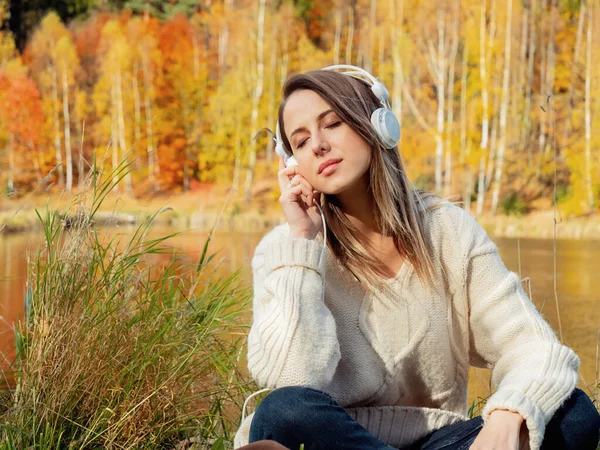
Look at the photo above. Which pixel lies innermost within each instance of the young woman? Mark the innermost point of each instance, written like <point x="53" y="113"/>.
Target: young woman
<point x="367" y="343"/>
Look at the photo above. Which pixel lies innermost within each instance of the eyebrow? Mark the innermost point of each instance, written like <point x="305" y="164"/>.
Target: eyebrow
<point x="319" y="117"/>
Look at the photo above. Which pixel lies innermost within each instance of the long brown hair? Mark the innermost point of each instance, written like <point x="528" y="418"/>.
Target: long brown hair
<point x="399" y="209"/>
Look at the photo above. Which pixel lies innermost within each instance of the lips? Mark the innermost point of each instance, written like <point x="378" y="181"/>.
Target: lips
<point x="327" y="163"/>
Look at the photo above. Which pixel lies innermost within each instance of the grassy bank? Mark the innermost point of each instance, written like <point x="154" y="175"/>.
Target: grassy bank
<point x="114" y="352"/>
<point x="202" y="209"/>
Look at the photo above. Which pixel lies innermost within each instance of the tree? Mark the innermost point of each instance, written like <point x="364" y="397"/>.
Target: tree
<point x="503" y="108"/>
<point x="183" y="86"/>
<point x="146" y="60"/>
<point x="20" y="120"/>
<point x="67" y="63"/>
<point x="109" y="95"/>
<point x="53" y="68"/>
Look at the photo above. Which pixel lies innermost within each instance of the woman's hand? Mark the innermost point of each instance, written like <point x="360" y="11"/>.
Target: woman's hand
<point x="296" y="198"/>
<point x="502" y="431"/>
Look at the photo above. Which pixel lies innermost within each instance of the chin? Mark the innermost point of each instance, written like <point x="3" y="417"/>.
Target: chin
<point x="334" y="188"/>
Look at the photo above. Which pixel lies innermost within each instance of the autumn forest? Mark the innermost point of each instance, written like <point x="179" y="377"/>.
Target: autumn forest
<point x="499" y="101"/>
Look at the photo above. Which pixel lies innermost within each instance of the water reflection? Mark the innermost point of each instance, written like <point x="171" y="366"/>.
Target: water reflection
<point x="577" y="280"/>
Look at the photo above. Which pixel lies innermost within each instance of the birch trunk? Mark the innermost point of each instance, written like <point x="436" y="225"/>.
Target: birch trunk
<point x="350" y="37"/>
<point x="11" y="163"/>
<point x="57" y="139"/>
<point x="122" y="133"/>
<point x="438" y="65"/>
<point x="463" y="108"/>
<point x="480" y="186"/>
<point x="114" y="132"/>
<point x="380" y="50"/>
<point x="545" y="84"/>
<point x="468" y="190"/>
<point x="153" y="166"/>
<point x="80" y="168"/>
<point x="574" y="71"/>
<point x="520" y="83"/>
<point x="188" y="142"/>
<point x="338" y="36"/>
<point x="493" y="137"/>
<point x="256" y="98"/>
<point x="198" y="95"/>
<point x="503" y="109"/>
<point x="396" y="57"/>
<point x="272" y="94"/>
<point x="368" y="58"/>
<point x="588" y="114"/>
<point x="450" y="107"/>
<point x="237" y="156"/>
<point x="485" y="124"/>
<point x="526" y="130"/>
<point x="224" y="38"/>
<point x="137" y="126"/>
<point x="67" y="124"/>
<point x="36" y="162"/>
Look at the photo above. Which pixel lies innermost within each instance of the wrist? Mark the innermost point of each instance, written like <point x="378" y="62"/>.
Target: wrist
<point x="507" y="415"/>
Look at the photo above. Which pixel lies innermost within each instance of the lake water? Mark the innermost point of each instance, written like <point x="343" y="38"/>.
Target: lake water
<point x="577" y="279"/>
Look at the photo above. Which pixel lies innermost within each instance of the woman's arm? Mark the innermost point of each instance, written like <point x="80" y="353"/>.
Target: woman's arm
<point x="532" y="371"/>
<point x="293" y="339"/>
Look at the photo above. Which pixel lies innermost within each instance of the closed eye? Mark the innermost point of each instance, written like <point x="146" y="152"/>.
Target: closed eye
<point x="330" y="126"/>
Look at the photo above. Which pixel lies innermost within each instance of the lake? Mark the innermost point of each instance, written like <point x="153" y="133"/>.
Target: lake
<point x="577" y="280"/>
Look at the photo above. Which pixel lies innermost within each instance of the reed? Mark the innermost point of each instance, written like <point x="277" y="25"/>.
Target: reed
<point x="114" y="352"/>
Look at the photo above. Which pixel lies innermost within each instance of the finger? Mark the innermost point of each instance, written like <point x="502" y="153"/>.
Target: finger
<point x="281" y="163"/>
<point x="307" y="193"/>
<point x="287" y="172"/>
<point x="308" y="189"/>
<point x="299" y="193"/>
<point x="292" y="182"/>
<point x="295" y="193"/>
<point x="290" y="171"/>
<point x="284" y="177"/>
<point x="299" y="179"/>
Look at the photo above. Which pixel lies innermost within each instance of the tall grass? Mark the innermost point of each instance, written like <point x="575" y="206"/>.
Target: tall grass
<point x="116" y="353"/>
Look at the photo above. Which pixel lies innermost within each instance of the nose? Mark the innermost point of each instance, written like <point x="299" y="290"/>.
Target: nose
<point x="319" y="144"/>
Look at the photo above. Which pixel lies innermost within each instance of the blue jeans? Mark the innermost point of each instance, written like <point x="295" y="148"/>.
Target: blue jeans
<point x="297" y="415"/>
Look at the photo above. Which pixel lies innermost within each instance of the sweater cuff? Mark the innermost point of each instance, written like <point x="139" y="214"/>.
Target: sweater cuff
<point x="515" y="401"/>
<point x="295" y="252"/>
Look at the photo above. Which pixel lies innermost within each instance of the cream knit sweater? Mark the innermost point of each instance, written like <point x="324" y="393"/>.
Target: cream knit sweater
<point x="397" y="359"/>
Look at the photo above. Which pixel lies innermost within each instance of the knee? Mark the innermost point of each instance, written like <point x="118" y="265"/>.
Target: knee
<point x="578" y="422"/>
<point x="286" y="409"/>
<point x="587" y="416"/>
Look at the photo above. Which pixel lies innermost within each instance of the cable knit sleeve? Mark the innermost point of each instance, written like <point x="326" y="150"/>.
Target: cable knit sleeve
<point x="533" y="373"/>
<point x="292" y="341"/>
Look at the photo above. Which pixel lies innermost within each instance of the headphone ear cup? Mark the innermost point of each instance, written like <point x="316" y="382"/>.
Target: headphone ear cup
<point x="386" y="126"/>
<point x="279" y="149"/>
<point x="279" y="142"/>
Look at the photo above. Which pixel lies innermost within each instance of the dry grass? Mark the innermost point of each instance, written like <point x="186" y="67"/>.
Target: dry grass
<point x="114" y="353"/>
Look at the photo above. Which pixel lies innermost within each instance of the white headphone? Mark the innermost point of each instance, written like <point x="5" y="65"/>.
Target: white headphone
<point x="383" y="120"/>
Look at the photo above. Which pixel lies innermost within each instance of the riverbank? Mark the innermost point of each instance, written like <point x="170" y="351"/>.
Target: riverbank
<point x="202" y="210"/>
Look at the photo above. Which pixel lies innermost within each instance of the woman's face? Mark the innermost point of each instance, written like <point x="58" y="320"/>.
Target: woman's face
<point x="318" y="137"/>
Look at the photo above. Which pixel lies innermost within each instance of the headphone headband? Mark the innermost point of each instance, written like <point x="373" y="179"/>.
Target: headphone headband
<point x="377" y="86"/>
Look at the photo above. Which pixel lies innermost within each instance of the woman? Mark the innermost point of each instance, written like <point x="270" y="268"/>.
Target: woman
<point x="368" y="344"/>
